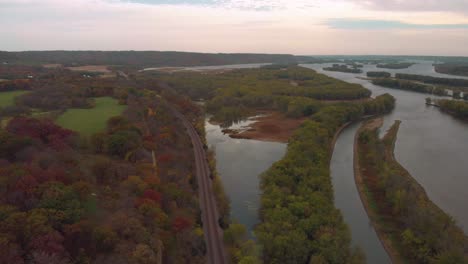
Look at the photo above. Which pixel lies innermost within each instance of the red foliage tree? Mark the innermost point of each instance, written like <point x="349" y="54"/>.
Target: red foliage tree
<point x="152" y="195"/>
<point x="50" y="243"/>
<point x="181" y="223"/>
<point x="53" y="173"/>
<point x="44" y="130"/>
<point x="10" y="252"/>
<point x="165" y="158"/>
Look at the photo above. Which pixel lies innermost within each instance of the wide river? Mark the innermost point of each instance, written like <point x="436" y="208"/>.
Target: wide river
<point x="433" y="146"/>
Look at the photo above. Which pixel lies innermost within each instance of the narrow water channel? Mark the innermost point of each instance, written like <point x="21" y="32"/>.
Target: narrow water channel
<point x="239" y="163"/>
<point x="347" y="198"/>
<point x="431" y="145"/>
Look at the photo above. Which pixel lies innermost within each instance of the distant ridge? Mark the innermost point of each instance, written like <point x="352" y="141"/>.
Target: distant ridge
<point x="144" y="58"/>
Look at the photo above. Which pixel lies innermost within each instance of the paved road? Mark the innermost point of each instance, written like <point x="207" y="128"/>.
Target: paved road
<point x="213" y="233"/>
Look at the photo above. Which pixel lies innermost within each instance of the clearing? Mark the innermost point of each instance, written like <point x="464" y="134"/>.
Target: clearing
<point x="8" y="98"/>
<point x="91" y="68"/>
<point x="92" y="120"/>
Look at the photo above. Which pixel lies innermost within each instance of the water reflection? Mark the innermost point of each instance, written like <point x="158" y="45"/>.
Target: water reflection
<point x="432" y="145"/>
<point x="239" y="163"/>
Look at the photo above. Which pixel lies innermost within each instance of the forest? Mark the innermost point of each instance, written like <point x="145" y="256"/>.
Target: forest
<point x="433" y="80"/>
<point x="395" y="65"/>
<point x="67" y="197"/>
<point x="343" y="68"/>
<point x="299" y="223"/>
<point x="409" y="86"/>
<point x="458" y="109"/>
<point x="453" y="68"/>
<point x="378" y="74"/>
<point x="419" y="231"/>
<point x="293" y="90"/>
<point x="141" y="58"/>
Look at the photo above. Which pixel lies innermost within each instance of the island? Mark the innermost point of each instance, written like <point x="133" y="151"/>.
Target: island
<point x="343" y="68"/>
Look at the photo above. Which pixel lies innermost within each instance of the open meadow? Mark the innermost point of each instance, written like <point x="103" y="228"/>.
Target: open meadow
<point x="92" y="120"/>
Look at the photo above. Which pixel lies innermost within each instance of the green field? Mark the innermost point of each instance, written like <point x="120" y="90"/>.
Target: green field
<point x="93" y="120"/>
<point x="8" y="98"/>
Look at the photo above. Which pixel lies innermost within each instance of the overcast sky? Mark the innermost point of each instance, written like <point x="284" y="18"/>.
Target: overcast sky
<point x="394" y="27"/>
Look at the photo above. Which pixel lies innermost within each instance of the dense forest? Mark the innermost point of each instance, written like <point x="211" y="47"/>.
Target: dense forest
<point x="343" y="68"/>
<point x="419" y="231"/>
<point x="408" y="86"/>
<point x="454" y="68"/>
<point x="299" y="223"/>
<point x="456" y="108"/>
<point x="104" y="198"/>
<point x="292" y="90"/>
<point x="395" y="66"/>
<point x="433" y="80"/>
<point x="378" y="74"/>
<point x="142" y="58"/>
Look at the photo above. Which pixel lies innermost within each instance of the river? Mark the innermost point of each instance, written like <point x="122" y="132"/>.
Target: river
<point x="239" y="163"/>
<point x="348" y="201"/>
<point x="431" y="145"/>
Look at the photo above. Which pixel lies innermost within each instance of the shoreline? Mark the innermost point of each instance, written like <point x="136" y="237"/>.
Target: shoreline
<point x="269" y="127"/>
<point x="384" y="239"/>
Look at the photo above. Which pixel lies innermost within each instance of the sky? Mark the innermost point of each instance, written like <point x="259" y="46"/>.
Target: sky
<point x="301" y="27"/>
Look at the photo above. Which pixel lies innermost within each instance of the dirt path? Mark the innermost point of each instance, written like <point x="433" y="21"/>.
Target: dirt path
<point x="213" y="233"/>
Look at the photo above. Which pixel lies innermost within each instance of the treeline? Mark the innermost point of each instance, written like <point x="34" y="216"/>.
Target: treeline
<point x="395" y="66"/>
<point x="141" y="58"/>
<point x="12" y="72"/>
<point x="15" y="85"/>
<point x="460" y="69"/>
<point x="456" y="108"/>
<point x="433" y="80"/>
<point x="378" y="74"/>
<point x="299" y="223"/>
<point x="295" y="91"/>
<point x="419" y="230"/>
<point x="408" y="86"/>
<point x="60" y="90"/>
<point x="343" y="68"/>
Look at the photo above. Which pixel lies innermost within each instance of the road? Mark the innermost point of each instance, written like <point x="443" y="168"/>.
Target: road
<point x="213" y="233"/>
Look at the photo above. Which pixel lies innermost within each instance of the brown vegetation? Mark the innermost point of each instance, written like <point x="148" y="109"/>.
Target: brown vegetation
<point x="91" y="68"/>
<point x="274" y="127"/>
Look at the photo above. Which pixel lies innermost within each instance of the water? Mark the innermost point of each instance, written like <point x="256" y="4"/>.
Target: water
<point x="348" y="201"/>
<point x="239" y="163"/>
<point x="431" y="145"/>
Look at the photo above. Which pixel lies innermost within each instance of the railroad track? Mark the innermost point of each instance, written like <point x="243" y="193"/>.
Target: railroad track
<point x="213" y="233"/>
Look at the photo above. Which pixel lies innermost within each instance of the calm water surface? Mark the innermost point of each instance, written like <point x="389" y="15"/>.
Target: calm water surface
<point x="433" y="146"/>
<point x="348" y="201"/>
<point x="239" y="163"/>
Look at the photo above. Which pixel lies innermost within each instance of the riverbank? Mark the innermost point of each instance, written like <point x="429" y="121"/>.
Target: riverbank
<point x="409" y="225"/>
<point x="366" y="198"/>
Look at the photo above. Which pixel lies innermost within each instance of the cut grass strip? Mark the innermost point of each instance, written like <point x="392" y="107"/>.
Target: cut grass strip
<point x="92" y="120"/>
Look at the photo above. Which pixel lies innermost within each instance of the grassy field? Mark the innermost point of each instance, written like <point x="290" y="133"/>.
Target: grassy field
<point x="93" y="120"/>
<point x="8" y="98"/>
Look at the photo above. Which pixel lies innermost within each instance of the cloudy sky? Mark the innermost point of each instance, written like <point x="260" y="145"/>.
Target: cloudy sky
<point x="412" y="27"/>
